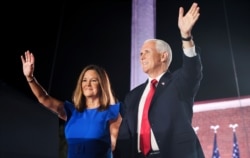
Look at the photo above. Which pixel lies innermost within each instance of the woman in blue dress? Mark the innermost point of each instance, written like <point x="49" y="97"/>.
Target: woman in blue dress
<point x="92" y="117"/>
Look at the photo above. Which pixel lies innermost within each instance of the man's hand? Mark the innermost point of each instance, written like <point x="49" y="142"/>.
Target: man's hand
<point x="187" y="21"/>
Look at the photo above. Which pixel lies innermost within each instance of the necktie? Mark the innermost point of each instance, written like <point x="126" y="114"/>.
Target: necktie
<point x="145" y="144"/>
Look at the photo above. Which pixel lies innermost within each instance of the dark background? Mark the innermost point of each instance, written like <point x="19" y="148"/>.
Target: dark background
<point x="67" y="35"/>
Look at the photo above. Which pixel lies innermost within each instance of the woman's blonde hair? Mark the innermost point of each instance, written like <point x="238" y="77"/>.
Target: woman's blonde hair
<point x="105" y="93"/>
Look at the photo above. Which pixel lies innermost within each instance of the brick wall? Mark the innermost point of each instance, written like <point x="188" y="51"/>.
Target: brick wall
<point x="224" y="117"/>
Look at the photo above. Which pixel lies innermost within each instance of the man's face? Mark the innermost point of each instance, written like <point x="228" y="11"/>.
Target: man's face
<point x="151" y="60"/>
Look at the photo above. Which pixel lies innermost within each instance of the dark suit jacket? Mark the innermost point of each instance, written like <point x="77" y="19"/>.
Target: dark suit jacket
<point x="170" y="114"/>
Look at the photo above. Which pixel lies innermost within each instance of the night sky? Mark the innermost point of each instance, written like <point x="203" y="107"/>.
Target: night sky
<point x="65" y="36"/>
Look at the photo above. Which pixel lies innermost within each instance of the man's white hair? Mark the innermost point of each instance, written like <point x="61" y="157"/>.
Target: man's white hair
<point x="162" y="47"/>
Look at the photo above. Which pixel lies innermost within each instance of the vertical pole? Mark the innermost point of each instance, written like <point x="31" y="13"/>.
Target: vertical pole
<point x="143" y="27"/>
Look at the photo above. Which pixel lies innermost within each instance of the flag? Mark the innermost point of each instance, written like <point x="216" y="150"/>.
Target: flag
<point x="236" y="152"/>
<point x="216" y="153"/>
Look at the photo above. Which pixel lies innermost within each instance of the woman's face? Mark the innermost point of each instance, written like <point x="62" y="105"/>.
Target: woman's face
<point x="90" y="84"/>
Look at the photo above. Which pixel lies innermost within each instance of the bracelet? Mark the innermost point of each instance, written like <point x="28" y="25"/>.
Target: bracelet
<point x="33" y="78"/>
<point x="187" y="39"/>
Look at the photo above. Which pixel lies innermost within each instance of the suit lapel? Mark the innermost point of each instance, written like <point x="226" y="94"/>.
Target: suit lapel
<point x="164" y="81"/>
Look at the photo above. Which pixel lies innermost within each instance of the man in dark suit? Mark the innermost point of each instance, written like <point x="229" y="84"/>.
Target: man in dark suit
<point x="170" y="112"/>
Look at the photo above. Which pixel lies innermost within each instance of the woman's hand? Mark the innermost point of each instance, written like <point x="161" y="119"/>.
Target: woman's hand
<point x="28" y="61"/>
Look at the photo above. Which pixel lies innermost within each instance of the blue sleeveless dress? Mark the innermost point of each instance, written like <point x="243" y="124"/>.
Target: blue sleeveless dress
<point x="87" y="133"/>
